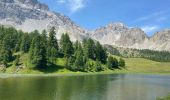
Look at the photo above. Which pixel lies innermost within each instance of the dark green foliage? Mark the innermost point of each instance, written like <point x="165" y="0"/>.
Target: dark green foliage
<point x="38" y="53"/>
<point x="115" y="63"/>
<point x="70" y="63"/>
<point x="89" y="48"/>
<point x="44" y="50"/>
<point x="99" y="66"/>
<point x="25" y="43"/>
<point x="112" y="63"/>
<point x="161" y="56"/>
<point x="121" y="62"/>
<point x="76" y="45"/>
<point x="66" y="45"/>
<point x="16" y="62"/>
<point x="101" y="54"/>
<point x="52" y="46"/>
<point x="52" y="39"/>
<point x="79" y="61"/>
<point x="109" y="62"/>
<point x="6" y="53"/>
<point x="44" y="38"/>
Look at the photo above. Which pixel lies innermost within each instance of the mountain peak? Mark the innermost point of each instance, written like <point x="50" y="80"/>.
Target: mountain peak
<point x="34" y="4"/>
<point x="116" y="26"/>
<point x="7" y="1"/>
<point x="30" y="15"/>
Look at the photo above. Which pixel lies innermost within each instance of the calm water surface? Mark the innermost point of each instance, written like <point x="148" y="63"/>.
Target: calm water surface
<point x="96" y="87"/>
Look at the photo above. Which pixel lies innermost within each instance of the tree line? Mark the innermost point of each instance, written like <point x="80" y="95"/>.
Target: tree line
<point x="161" y="56"/>
<point x="44" y="48"/>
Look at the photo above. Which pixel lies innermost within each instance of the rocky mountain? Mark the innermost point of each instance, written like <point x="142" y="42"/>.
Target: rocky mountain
<point x="29" y="15"/>
<point x="120" y="35"/>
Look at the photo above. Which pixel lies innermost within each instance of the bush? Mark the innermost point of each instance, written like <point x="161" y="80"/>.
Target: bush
<point x="121" y="62"/>
<point x="112" y="63"/>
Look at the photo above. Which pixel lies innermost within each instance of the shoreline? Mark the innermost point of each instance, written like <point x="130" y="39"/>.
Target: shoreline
<point x="7" y="75"/>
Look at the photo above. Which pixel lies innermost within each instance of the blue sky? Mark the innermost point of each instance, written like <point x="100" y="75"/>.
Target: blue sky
<point x="150" y="15"/>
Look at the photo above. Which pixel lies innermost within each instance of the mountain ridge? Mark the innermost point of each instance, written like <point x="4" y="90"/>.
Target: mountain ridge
<point x="30" y="15"/>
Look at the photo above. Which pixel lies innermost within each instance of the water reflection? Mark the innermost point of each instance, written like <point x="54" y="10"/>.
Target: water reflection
<point x="97" y="87"/>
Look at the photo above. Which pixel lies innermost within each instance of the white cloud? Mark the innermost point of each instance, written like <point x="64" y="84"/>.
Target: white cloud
<point x="147" y="17"/>
<point x="72" y="5"/>
<point x="158" y="16"/>
<point x="76" y="5"/>
<point x="149" y="29"/>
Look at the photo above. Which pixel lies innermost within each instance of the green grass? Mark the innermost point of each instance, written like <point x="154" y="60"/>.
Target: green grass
<point x="133" y="65"/>
<point x="166" y="98"/>
<point x="140" y="65"/>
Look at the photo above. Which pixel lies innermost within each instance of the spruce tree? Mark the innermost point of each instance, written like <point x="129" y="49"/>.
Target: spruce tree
<point x="66" y="45"/>
<point x="52" y="48"/>
<point x="76" y="45"/>
<point x="44" y="37"/>
<point x="101" y="54"/>
<point x="52" y="39"/>
<point x="25" y="43"/>
<point x="79" y="61"/>
<point x="37" y="53"/>
<point x="90" y="49"/>
<point x="6" y="52"/>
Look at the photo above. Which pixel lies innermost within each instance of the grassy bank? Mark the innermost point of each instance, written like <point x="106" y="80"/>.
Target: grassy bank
<point x="165" y="98"/>
<point x="140" y="65"/>
<point x="133" y="65"/>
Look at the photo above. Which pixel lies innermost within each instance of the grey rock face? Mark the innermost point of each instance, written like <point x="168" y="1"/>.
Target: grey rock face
<point x="120" y="35"/>
<point x="7" y="1"/>
<point x="29" y="15"/>
<point x="161" y="40"/>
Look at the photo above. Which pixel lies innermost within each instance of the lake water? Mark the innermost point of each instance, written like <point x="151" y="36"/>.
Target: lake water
<point x="94" y="87"/>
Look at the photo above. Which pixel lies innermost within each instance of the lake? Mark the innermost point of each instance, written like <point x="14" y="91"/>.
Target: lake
<point x="88" y="87"/>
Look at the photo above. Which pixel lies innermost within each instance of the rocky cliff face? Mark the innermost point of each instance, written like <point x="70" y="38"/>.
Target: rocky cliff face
<point x="161" y="40"/>
<point x="120" y="35"/>
<point x="29" y="15"/>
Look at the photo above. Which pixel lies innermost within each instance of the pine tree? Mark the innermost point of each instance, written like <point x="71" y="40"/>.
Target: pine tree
<point x="52" y="39"/>
<point x="101" y="54"/>
<point x="37" y="53"/>
<point x="25" y="43"/>
<point x="66" y="45"/>
<point x="79" y="61"/>
<point x="6" y="51"/>
<point x="89" y="48"/>
<point x="44" y="37"/>
<point x="52" y="48"/>
<point x="76" y="45"/>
